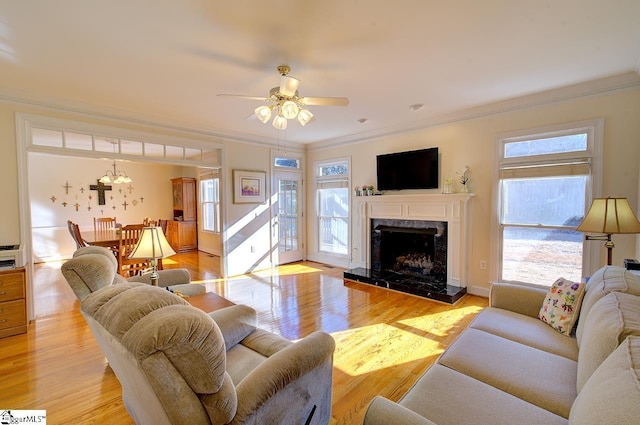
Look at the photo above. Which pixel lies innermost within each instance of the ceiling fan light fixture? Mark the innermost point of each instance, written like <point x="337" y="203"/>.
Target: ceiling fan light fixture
<point x="263" y="113"/>
<point x="286" y="104"/>
<point x="304" y="116"/>
<point x="280" y="122"/>
<point x="290" y="109"/>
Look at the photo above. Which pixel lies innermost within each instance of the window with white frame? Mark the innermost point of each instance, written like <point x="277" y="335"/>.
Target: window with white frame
<point x="545" y="184"/>
<point x="332" y="186"/>
<point x="210" y="201"/>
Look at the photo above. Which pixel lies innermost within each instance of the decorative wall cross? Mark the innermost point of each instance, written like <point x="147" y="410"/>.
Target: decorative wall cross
<point x="101" y="188"/>
<point x="124" y="204"/>
<point x="67" y="187"/>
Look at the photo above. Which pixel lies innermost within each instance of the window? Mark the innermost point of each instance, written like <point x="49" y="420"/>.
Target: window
<point x="63" y="142"/>
<point x="545" y="184"/>
<point x="332" y="183"/>
<point x="210" y="201"/>
<point x="286" y="162"/>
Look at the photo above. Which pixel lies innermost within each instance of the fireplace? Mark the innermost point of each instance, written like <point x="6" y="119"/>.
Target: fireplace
<point x="410" y="247"/>
<point x="416" y="244"/>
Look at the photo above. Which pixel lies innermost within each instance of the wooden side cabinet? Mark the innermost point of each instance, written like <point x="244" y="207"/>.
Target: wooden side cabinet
<point x="182" y="235"/>
<point x="184" y="198"/>
<point x="182" y="232"/>
<point x="13" y="302"/>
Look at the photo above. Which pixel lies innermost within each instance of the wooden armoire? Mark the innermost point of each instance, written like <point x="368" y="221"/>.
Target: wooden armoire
<point x="182" y="231"/>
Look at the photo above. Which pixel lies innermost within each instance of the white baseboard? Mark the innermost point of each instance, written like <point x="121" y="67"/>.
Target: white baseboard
<point x="478" y="290"/>
<point x="328" y="259"/>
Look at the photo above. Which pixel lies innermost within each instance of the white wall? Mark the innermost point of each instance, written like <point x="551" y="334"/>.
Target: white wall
<point x="248" y="225"/>
<point x="472" y="142"/>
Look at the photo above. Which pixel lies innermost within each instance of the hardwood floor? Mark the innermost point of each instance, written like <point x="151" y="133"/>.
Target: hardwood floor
<point x="384" y="340"/>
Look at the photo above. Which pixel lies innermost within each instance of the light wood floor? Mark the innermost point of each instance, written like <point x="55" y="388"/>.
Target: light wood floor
<point x="384" y="340"/>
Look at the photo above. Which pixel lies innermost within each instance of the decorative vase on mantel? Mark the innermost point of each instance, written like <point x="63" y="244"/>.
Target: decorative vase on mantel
<point x="464" y="179"/>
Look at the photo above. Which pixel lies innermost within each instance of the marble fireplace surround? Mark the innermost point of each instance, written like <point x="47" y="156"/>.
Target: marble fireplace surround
<point x="455" y="209"/>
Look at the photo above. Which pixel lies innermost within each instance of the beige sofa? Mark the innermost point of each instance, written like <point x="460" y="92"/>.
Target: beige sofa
<point x="509" y="367"/>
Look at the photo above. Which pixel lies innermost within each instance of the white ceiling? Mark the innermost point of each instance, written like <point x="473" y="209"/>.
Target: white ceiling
<point x="166" y="60"/>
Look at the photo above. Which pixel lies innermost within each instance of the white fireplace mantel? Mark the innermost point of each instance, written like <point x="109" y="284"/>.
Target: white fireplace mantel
<point x="452" y="208"/>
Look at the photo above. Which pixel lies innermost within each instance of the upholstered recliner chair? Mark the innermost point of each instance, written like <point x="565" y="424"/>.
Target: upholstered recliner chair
<point x="93" y="267"/>
<point x="178" y="365"/>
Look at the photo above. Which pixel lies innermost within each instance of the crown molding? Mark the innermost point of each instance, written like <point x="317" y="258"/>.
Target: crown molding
<point x="621" y="82"/>
<point x="116" y="116"/>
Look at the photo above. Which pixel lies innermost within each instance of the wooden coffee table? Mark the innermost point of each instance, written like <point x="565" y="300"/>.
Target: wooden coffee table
<point x="209" y="301"/>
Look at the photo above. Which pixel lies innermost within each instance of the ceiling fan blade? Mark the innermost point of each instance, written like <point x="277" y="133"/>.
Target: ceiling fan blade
<point x="245" y="97"/>
<point x="325" y="101"/>
<point x="288" y="85"/>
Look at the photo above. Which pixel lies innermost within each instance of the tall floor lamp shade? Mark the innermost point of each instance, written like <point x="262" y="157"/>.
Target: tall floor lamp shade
<point x="152" y="245"/>
<point x="609" y="216"/>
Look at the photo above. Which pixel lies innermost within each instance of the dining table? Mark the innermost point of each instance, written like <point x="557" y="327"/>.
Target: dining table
<point x="106" y="238"/>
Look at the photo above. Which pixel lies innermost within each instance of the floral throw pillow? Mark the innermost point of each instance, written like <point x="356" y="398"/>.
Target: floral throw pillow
<point x="561" y="306"/>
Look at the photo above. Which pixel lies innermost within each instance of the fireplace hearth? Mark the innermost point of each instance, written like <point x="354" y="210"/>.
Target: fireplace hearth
<point x="409" y="284"/>
<point x="409" y="256"/>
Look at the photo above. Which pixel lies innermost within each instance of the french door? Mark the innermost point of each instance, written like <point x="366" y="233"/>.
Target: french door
<point x="287" y="218"/>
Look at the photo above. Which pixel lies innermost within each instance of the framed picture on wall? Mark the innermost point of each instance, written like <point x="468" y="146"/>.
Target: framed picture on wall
<point x="249" y="187"/>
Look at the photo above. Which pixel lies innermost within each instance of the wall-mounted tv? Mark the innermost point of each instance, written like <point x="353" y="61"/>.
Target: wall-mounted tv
<point x="408" y="170"/>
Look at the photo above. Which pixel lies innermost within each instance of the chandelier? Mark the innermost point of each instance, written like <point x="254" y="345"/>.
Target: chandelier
<point x="115" y="176"/>
<point x="284" y="108"/>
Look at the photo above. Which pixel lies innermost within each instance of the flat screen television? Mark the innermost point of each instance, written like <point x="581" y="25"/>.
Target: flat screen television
<point x="408" y="170"/>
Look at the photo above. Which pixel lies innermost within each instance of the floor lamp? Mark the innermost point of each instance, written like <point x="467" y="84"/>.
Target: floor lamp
<point x="152" y="245"/>
<point x="609" y="216"/>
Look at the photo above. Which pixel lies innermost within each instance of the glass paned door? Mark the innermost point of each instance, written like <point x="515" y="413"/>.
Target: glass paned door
<point x="287" y="220"/>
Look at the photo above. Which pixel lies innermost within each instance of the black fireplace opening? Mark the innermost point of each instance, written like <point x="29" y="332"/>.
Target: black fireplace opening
<point x="412" y="248"/>
<point x="409" y="256"/>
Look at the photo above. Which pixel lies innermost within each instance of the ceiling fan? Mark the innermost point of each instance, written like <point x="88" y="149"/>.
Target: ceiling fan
<point x="286" y="104"/>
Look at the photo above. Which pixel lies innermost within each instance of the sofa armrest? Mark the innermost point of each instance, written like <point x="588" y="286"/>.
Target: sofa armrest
<point x="291" y="386"/>
<point x="521" y="299"/>
<point x="384" y="412"/>
<point x="168" y="277"/>
<point x="235" y="322"/>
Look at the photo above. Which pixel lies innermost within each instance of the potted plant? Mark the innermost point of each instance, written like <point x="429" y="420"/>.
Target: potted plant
<point x="364" y="190"/>
<point x="370" y="190"/>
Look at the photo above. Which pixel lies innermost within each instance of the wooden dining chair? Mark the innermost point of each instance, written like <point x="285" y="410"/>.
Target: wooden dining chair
<point x="148" y="222"/>
<point x="129" y="236"/>
<point x="162" y="223"/>
<point x="74" y="230"/>
<point x="103" y="223"/>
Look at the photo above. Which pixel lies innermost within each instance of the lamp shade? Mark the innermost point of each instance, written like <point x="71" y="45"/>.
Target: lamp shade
<point x="263" y="113"/>
<point x="304" y="116"/>
<point x="610" y="216"/>
<point x="280" y="122"/>
<point x="290" y="109"/>
<point x="152" y="245"/>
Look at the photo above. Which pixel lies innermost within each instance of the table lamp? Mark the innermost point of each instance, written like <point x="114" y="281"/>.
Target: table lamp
<point x="609" y="216"/>
<point x="152" y="245"/>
